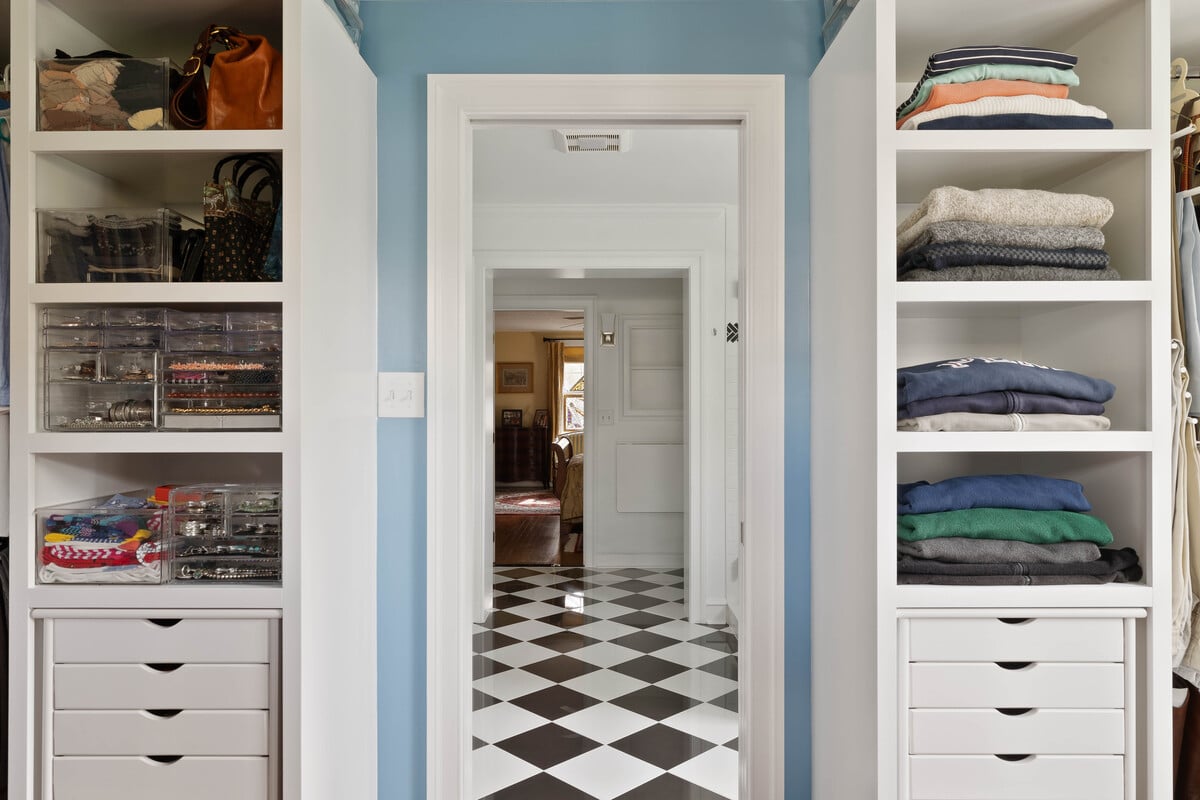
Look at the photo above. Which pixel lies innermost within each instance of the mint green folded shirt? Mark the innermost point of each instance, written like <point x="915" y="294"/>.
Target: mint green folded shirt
<point x="1036" y="527"/>
<point x="983" y="72"/>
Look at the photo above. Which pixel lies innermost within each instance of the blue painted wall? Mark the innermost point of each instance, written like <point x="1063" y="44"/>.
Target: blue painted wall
<point x="404" y="42"/>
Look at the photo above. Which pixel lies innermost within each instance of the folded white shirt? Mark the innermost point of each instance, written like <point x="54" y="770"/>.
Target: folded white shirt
<point x="967" y="421"/>
<point x="1021" y="104"/>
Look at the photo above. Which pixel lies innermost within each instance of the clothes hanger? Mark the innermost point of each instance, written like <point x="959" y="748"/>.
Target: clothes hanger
<point x="1181" y="93"/>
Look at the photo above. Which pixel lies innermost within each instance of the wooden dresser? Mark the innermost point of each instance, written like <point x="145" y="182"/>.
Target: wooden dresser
<point x="522" y="454"/>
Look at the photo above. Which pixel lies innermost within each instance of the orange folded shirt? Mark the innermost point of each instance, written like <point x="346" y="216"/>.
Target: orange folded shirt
<point x="945" y="94"/>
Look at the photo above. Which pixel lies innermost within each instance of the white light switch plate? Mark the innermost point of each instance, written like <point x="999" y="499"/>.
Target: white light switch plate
<point x="402" y="394"/>
<point x="605" y="417"/>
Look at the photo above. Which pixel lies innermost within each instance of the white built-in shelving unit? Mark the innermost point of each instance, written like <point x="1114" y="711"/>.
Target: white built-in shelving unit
<point x="324" y="455"/>
<point x="866" y="177"/>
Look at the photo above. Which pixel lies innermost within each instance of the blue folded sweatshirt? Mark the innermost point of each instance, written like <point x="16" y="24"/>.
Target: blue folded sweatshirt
<point x="1028" y="492"/>
<point x="1005" y="402"/>
<point x="974" y="375"/>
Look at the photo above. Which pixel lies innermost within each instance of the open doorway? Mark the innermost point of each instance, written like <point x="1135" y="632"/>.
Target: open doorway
<point x="540" y="410"/>
<point x="616" y="673"/>
<point x="460" y="286"/>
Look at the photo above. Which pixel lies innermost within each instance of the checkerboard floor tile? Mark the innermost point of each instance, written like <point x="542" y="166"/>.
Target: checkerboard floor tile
<point x="593" y="684"/>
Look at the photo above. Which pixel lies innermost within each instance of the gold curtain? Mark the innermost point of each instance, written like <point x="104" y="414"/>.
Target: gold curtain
<point x="554" y="378"/>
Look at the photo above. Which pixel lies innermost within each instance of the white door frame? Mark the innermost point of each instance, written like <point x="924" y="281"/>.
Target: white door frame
<point x="456" y="103"/>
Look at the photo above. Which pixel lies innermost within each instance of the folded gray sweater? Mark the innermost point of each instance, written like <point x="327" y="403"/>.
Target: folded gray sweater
<point x="1047" y="237"/>
<point x="992" y="273"/>
<point x="967" y="421"/>
<point x="959" y="550"/>
<point x="1003" y="207"/>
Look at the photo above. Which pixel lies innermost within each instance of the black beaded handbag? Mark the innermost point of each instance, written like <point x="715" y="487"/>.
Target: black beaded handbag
<point x="238" y="221"/>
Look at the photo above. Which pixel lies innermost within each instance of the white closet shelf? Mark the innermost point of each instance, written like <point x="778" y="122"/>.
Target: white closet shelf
<point x="1025" y="442"/>
<point x="913" y="296"/>
<point x="156" y="293"/>
<point x="66" y="142"/>
<point x="984" y="142"/>
<point x="159" y="442"/>
<point x="167" y="596"/>
<point x="1112" y="595"/>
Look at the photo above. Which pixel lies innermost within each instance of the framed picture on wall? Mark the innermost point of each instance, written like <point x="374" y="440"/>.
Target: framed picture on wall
<point x="514" y="377"/>
<point x="511" y="417"/>
<point x="541" y="418"/>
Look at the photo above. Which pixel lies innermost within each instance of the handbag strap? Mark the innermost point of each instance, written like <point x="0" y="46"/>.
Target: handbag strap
<point x="241" y="161"/>
<point x="201" y="54"/>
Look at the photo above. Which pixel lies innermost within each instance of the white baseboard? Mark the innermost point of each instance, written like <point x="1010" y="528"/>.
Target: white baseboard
<point x="714" y="614"/>
<point x="644" y="560"/>
<point x="731" y="620"/>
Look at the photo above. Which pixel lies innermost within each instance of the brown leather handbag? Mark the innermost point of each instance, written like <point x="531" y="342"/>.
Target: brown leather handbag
<point x="245" y="84"/>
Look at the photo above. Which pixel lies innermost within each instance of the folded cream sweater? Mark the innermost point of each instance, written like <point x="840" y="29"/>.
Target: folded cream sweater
<point x="1020" y="104"/>
<point x="1003" y="207"/>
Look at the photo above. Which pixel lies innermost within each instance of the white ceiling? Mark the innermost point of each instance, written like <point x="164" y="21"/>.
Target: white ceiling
<point x="550" y="322"/>
<point x="1185" y="30"/>
<point x="664" y="165"/>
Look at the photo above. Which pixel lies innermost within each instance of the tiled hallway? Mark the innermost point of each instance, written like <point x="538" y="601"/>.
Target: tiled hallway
<point x="590" y="684"/>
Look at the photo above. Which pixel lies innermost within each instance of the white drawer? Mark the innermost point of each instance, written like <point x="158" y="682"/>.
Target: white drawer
<point x="1032" y="685"/>
<point x="1036" y="639"/>
<point x="144" y="779"/>
<point x="143" y="641"/>
<point x="141" y="733"/>
<point x="138" y="686"/>
<point x="1034" y="778"/>
<point x="1055" y="731"/>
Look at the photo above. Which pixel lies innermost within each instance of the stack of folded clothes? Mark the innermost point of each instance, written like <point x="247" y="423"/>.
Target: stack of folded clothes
<point x="1004" y="235"/>
<point x="998" y="394"/>
<point x="997" y="87"/>
<point x="1004" y="530"/>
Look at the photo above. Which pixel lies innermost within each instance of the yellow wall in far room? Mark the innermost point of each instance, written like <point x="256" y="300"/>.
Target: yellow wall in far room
<point x="524" y="348"/>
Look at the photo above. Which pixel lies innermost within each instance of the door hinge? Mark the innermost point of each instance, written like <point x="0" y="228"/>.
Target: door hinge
<point x="742" y="533"/>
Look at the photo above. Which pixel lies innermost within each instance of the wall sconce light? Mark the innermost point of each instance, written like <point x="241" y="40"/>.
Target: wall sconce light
<point x="608" y="330"/>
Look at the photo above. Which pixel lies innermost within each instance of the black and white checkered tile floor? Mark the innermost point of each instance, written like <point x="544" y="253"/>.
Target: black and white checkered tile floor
<point x="591" y="684"/>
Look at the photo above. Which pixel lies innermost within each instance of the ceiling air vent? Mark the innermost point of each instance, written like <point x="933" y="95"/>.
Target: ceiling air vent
<point x="591" y="141"/>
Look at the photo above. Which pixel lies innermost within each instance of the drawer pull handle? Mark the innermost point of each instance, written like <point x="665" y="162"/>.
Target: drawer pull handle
<point x="1015" y="712"/>
<point x="1014" y="665"/>
<point x="165" y="713"/>
<point x="164" y="667"/>
<point x="1013" y="756"/>
<point x="1015" y="620"/>
<point x="164" y="759"/>
<point x="164" y="623"/>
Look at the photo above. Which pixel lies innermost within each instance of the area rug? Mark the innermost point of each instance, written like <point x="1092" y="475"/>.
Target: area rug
<point x="540" y="501"/>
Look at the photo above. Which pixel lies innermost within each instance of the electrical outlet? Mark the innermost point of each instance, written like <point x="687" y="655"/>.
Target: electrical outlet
<point x="402" y="394"/>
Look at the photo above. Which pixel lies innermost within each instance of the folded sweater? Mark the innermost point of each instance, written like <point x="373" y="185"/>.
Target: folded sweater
<point x="1021" y="104"/>
<point x="964" y="421"/>
<point x="956" y="550"/>
<point x="983" y="72"/>
<point x="1017" y="122"/>
<point x="957" y="57"/>
<point x="991" y="272"/>
<point x="1037" y="527"/>
<point x="1130" y="575"/>
<point x="1031" y="492"/>
<point x="1046" y="237"/>
<point x="1000" y="403"/>
<point x="1003" y="207"/>
<point x="970" y="254"/>
<point x="1109" y="561"/>
<point x="950" y="93"/>
<point x="975" y="374"/>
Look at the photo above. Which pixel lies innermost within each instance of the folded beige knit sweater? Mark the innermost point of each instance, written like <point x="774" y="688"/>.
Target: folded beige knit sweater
<point x="1003" y="207"/>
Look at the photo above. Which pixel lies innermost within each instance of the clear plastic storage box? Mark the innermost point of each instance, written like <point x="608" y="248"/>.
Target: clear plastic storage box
<point x="111" y="539"/>
<point x="227" y="533"/>
<point x="116" y="245"/>
<point x="196" y="320"/>
<point x="123" y="317"/>
<point x="104" y="94"/>
<point x="220" y="392"/>
<point x="96" y="406"/>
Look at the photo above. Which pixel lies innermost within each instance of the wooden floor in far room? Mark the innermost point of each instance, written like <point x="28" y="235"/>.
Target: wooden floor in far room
<point x="533" y="540"/>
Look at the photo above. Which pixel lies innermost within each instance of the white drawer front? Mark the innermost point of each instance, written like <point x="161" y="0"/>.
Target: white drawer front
<point x="140" y="733"/>
<point x="141" y="641"/>
<point x="1037" y="639"/>
<point x="1053" y="731"/>
<point x="1035" y="685"/>
<point x="138" y="686"/>
<point x="144" y="779"/>
<point x="1035" y="778"/>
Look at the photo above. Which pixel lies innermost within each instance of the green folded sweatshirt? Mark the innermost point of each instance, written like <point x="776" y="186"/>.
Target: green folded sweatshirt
<point x="983" y="72"/>
<point x="1036" y="527"/>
